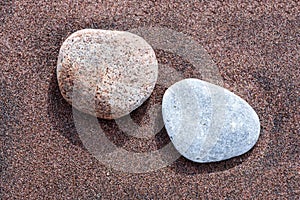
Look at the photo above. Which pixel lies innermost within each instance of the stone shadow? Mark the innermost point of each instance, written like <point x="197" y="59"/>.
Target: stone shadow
<point x="187" y="167"/>
<point x="59" y="111"/>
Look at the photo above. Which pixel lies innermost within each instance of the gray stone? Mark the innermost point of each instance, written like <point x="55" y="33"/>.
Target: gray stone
<point x="106" y="73"/>
<point x="207" y="123"/>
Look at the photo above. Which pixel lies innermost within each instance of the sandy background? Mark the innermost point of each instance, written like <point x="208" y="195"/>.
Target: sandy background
<point x="255" y="47"/>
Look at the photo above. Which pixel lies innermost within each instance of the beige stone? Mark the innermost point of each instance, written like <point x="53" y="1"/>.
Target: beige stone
<point x="106" y="73"/>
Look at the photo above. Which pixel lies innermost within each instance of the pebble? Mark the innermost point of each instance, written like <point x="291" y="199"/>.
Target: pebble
<point x="208" y="123"/>
<point x="106" y="73"/>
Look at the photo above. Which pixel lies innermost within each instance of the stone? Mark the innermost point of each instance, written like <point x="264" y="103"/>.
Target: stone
<point x="208" y="123"/>
<point x="106" y="73"/>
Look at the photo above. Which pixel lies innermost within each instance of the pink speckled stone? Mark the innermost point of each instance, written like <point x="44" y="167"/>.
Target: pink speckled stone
<point x="110" y="72"/>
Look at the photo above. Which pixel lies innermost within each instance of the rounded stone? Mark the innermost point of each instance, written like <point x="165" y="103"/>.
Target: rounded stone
<point x="106" y="73"/>
<point x="208" y="123"/>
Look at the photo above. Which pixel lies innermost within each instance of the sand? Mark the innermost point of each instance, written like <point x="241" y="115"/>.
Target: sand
<point x="255" y="47"/>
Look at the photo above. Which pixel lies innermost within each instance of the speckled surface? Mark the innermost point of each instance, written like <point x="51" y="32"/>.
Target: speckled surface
<point x="255" y="46"/>
<point x="106" y="73"/>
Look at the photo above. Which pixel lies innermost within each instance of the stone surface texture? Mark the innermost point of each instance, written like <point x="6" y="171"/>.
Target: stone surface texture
<point x="207" y="123"/>
<point x="106" y="73"/>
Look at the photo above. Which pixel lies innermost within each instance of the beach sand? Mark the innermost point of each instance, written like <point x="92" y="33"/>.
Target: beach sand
<point x="255" y="47"/>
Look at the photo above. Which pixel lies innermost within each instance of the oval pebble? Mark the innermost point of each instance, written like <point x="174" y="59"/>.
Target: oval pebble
<point x="208" y="123"/>
<point x="112" y="72"/>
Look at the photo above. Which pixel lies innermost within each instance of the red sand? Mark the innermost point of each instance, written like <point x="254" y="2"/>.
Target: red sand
<point x="255" y="46"/>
